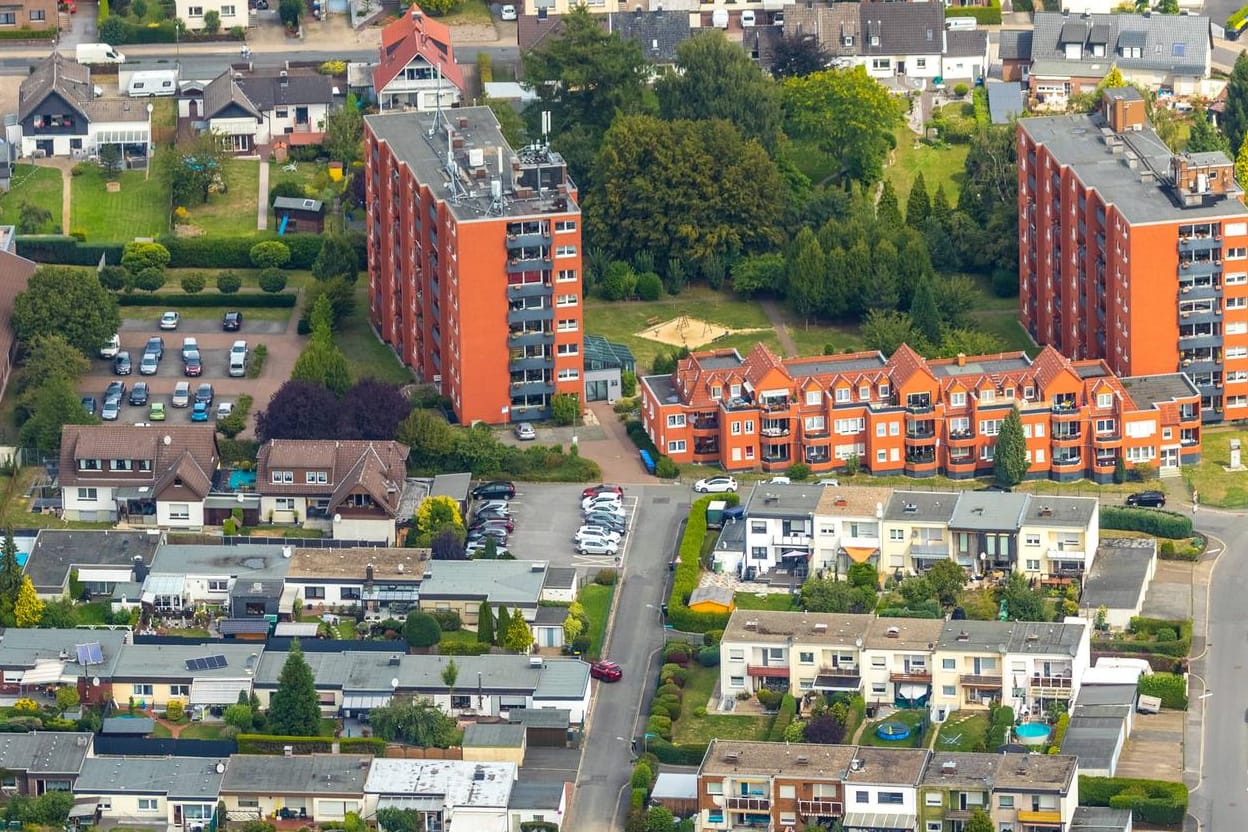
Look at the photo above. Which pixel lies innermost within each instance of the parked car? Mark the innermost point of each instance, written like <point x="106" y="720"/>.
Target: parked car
<point x="495" y="490"/>
<point x="156" y="346"/>
<point x="995" y="487"/>
<point x="596" y="546"/>
<point x="596" y="531"/>
<point x="499" y="535"/>
<point x="715" y="485"/>
<point x="115" y="390"/>
<point x="494" y="505"/>
<point x="608" y="509"/>
<point x="505" y="523"/>
<point x="170" y="320"/>
<point x="199" y="412"/>
<point x="90" y="405"/>
<point x="112" y="347"/>
<point x="189" y="345"/>
<point x="606" y="671"/>
<point x="525" y="432"/>
<point x="138" y="394"/>
<point x="149" y="365"/>
<point x="156" y="413"/>
<point x="508" y="12"/>
<point x="601" y="518"/>
<point x="603" y="488"/>
<point x="479" y="545"/>
<point x="828" y="481"/>
<point x="232" y="321"/>
<point x="1147" y="499"/>
<point x="181" y="394"/>
<point x="224" y="409"/>
<point x="607" y="500"/>
<point x="112" y="409"/>
<point x="203" y="393"/>
<point x="121" y="364"/>
<point x="192" y="366"/>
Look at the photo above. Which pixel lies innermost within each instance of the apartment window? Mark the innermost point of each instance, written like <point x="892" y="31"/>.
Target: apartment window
<point x="562" y="226"/>
<point x="568" y="325"/>
<point x="788" y="792"/>
<point x="676" y="420"/>
<point x="736" y="655"/>
<point x="90" y="465"/>
<point x="1007" y="801"/>
<point x="961" y="424"/>
<point x="815" y="424"/>
<point x="1236" y="279"/>
<point x="880" y="64"/>
<point x="1236" y="303"/>
<point x="884" y="388"/>
<point x="715" y="787"/>
<point x="1237" y="352"/>
<point x="147" y="804"/>
<point x="88" y="495"/>
<point x="282" y="476"/>
<point x="141" y="690"/>
<point x="1031" y="540"/>
<point x="565" y="251"/>
<point x="891" y="798"/>
<point x="948" y="664"/>
<point x="948" y="690"/>
<point x="1236" y="253"/>
<point x="988" y="396"/>
<point x="676" y="446"/>
<point x="881" y="429"/>
<point x="38" y="14"/>
<point x="567" y="276"/>
<point x="179" y="511"/>
<point x="749" y="426"/>
<point x="8" y="19"/>
<point x="569" y="374"/>
<point x="881" y="455"/>
<point x="806" y="657"/>
<point x="989" y="427"/>
<point x="1027" y="431"/>
<point x="814" y="397"/>
<point x="920" y="63"/>
<point x="218" y="586"/>
<point x="850" y="426"/>
<point x="877" y="688"/>
<point x="227" y="11"/>
<point x="842" y="395"/>
<point x="932" y="799"/>
<point x="314" y="593"/>
<point x="735" y="428"/>
<point x="933" y="826"/>
<point x="195" y="11"/>
<point x="1236" y="328"/>
<point x="569" y="349"/>
<point x="179" y="690"/>
<point x="864" y="392"/>
<point x="862" y="797"/>
<point x="1033" y="565"/>
<point x="349" y="593"/>
<point x="736" y="681"/>
<point x="567" y="300"/>
<point x="249" y="803"/>
<point x="717" y="392"/>
<point x="1039" y="431"/>
<point x="1104" y="400"/>
<point x="896" y="534"/>
<point x="894" y="428"/>
<point x="1167" y="433"/>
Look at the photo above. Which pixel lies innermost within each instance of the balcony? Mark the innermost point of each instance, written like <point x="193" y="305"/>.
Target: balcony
<point x="529" y="234"/>
<point x="928" y="552"/>
<point x="925" y="429"/>
<point x="1061" y="437"/>
<point x="775" y="427"/>
<point x="1072" y="461"/>
<point x="705" y="421"/>
<point x="919" y="455"/>
<point x="1103" y="460"/>
<point x="820" y="808"/>
<point x="919" y="404"/>
<point x="979" y="682"/>
<point x="775" y="403"/>
<point x="1188" y="413"/>
<point x="1065" y="408"/>
<point x="531" y="338"/>
<point x="1194" y="337"/>
<point x="838" y="679"/>
<point x="1190" y="437"/>
<point x="537" y="362"/>
<point x="533" y="387"/>
<point x="776" y="454"/>
<point x="1199" y="288"/>
<point x="1050" y="683"/>
<point x="961" y="438"/>
<point x="706" y="446"/>
<point x="749" y="804"/>
<point x="912" y="675"/>
<point x="525" y="264"/>
<point x="817" y="455"/>
<point x="524" y="314"/>
<point x="767" y="671"/>
<point x="1199" y="268"/>
<point x="530" y="289"/>
<point x="1106" y="439"/>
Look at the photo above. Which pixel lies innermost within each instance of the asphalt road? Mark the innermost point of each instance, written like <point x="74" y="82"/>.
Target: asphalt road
<point x="634" y="641"/>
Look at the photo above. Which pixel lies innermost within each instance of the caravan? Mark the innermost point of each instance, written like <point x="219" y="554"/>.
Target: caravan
<point x="153" y="83"/>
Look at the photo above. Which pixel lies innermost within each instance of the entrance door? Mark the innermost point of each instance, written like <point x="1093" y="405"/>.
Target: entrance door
<point x="596" y="391"/>
<point x="1169" y="457"/>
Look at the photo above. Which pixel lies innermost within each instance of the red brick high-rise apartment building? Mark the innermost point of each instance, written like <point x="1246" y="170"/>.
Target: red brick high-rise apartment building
<point x="474" y="261"/>
<point x="1133" y="254"/>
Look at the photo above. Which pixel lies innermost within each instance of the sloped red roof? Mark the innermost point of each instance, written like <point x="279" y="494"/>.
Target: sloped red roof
<point x="413" y="35"/>
<point x="904" y="363"/>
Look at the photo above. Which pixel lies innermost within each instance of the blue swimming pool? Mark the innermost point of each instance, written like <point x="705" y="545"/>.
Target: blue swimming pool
<point x="22" y="557"/>
<point x="242" y="479"/>
<point x="1032" y="733"/>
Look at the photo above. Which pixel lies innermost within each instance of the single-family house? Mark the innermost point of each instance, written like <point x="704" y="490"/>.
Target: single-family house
<point x="33" y="660"/>
<point x="953" y="786"/>
<point x="780" y="525"/>
<point x="901" y="39"/>
<point x="964" y="55"/>
<point x="253" y="108"/>
<point x="318" y="788"/>
<point x="1058" y="538"/>
<point x="967" y="666"/>
<point x="847" y="528"/>
<point x="1014" y="52"/>
<point x="209" y="574"/>
<point x="985" y="527"/>
<point x="881" y="788"/>
<point x="447" y="794"/>
<point x="197" y="675"/>
<point x="31" y="14"/>
<point x="1044" y="663"/>
<point x="42" y="761"/>
<point x="101" y="559"/>
<point x="62" y="113"/>
<point x="385" y="582"/>
<point x="150" y="475"/>
<point x="1035" y="791"/>
<point x="1118" y="580"/>
<point x="196" y="14"/>
<point x="800" y="653"/>
<point x="358" y="484"/>
<point x="170" y="791"/>
<point x="417" y="68"/>
<point x="540" y="802"/>
<point x="461" y="585"/>
<point x="916" y="532"/>
<point x="897" y="656"/>
<point x="658" y="32"/>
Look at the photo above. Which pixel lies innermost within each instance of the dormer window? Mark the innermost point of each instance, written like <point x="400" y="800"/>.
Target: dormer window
<point x="90" y="465"/>
<point x="864" y="392"/>
<point x="988" y="395"/>
<point x="145" y="465"/>
<point x="848" y="40"/>
<point x="875" y="40"/>
<point x="717" y="392"/>
<point x="121" y="465"/>
<point x="884" y="390"/>
<point x="280" y="477"/>
<point x="735" y="391"/>
<point x="315" y="477"/>
<point x="842" y="395"/>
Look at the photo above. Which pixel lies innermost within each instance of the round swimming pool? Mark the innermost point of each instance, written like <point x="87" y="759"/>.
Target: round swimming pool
<point x="1032" y="733"/>
<point x="893" y="731"/>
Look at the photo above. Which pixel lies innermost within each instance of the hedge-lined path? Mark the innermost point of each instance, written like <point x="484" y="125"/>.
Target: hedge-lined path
<point x="64" y="165"/>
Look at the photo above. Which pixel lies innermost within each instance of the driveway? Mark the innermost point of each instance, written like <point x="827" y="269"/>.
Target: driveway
<point x="1153" y="751"/>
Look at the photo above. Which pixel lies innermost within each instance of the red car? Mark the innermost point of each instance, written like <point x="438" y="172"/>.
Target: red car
<point x="606" y="671"/>
<point x="604" y="488"/>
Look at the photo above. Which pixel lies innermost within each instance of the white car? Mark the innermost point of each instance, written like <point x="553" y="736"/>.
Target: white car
<point x="780" y="481"/>
<point x="110" y="349"/>
<point x="189" y="345"/>
<point x="607" y="499"/>
<point x="181" y="394"/>
<point x="508" y="12"/>
<point x="525" y="432"/>
<point x="831" y="482"/>
<point x="224" y="409"/>
<point x="613" y="509"/>
<point x="493" y="507"/>
<point x="715" y="485"/>
<point x="238" y="348"/>
<point x="596" y="531"/>
<point x="170" y="320"/>
<point x="479" y="545"/>
<point x="596" y="546"/>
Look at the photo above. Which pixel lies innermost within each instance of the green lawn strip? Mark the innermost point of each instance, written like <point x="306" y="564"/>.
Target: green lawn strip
<point x="366" y="354"/>
<point x="700" y="730"/>
<point x="233" y="213"/>
<point x="1217" y="486"/>
<point x="202" y="731"/>
<point x="209" y="313"/>
<point x="810" y="160"/>
<point x="775" y="601"/>
<point x="963" y="731"/>
<point x="15" y="512"/>
<point x="460" y="636"/>
<point x="345" y="629"/>
<point x="471" y="12"/>
<point x="909" y="718"/>
<point x="295" y="279"/>
<point x="596" y="599"/>
<point x="37" y="185"/>
<point x="139" y="209"/>
<point x="939" y="165"/>
<point x="1007" y="329"/>
<point x="159" y="731"/>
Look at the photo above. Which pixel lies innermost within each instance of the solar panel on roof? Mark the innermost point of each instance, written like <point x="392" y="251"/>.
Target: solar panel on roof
<point x="206" y="663"/>
<point x="90" y="653"/>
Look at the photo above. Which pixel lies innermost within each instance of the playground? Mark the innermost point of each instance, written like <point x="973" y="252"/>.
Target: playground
<point x="687" y="331"/>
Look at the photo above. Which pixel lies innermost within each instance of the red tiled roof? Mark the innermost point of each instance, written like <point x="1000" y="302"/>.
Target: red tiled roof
<point x="412" y="35"/>
<point x="904" y="363"/>
<point x="378" y="467"/>
<point x="185" y="451"/>
<point x="1049" y="364"/>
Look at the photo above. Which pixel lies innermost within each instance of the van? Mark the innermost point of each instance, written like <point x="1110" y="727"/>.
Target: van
<point x="152" y="84"/>
<point x="719" y="18"/>
<point x="238" y="365"/>
<point x="98" y="53"/>
<point x="747" y="19"/>
<point x="967" y="24"/>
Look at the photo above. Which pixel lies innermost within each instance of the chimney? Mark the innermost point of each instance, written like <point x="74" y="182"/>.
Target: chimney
<point x="961" y="359"/>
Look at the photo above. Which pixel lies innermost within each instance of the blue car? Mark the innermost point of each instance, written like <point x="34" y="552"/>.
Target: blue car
<point x="199" y="413"/>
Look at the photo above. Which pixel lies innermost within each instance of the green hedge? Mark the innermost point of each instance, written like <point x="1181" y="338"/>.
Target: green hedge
<point x="1150" y="801"/>
<point x="1059" y="733"/>
<point x="1171" y="688"/>
<point x="283" y="300"/>
<point x="235" y="252"/>
<point x="27" y="34"/>
<point x="1148" y="520"/>
<point x="67" y="251"/>
<point x="986" y="15"/>
<point x="268" y="744"/>
<point x="362" y="745"/>
<point x="786" y="714"/>
<point x="689" y="570"/>
<point x="676" y="755"/>
<point x="1177" y="648"/>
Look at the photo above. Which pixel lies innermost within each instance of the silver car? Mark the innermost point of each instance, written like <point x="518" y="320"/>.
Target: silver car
<point x="181" y="394"/>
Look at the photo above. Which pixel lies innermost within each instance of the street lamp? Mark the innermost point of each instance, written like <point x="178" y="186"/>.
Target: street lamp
<point x="147" y="167"/>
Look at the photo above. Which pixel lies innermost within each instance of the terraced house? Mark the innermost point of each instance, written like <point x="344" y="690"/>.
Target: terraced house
<point x="916" y="417"/>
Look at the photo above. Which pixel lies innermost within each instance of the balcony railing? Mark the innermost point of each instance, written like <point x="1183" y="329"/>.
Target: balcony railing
<point x="820" y="808"/>
<point x="1058" y="682"/>
<point x="768" y="671"/>
<point x="1067" y="436"/>
<point x="776" y="404"/>
<point x="749" y="804"/>
<point x="775" y="429"/>
<point x="975" y="680"/>
<point x="1067" y="461"/>
<point x="913" y="675"/>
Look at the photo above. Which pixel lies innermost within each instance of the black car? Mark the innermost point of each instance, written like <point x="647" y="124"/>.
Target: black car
<point x="995" y="487"/>
<point x="1147" y="499"/>
<point x="121" y="364"/>
<point x="203" y="393"/>
<point x="232" y="322"/>
<point x="496" y="490"/>
<point x="90" y="405"/>
<point x="155" y="346"/>
<point x="115" y="390"/>
<point x="138" y="394"/>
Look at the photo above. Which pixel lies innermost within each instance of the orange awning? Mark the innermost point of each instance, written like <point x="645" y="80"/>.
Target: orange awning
<point x="1039" y="817"/>
<point x="860" y="554"/>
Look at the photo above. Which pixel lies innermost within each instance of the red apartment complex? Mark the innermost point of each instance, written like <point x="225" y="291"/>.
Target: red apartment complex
<point x="1132" y="254"/>
<point x="907" y="415"/>
<point x="474" y="261"/>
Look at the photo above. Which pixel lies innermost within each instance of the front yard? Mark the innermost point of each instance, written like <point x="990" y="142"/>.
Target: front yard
<point x="1217" y="486"/>
<point x="964" y="731"/>
<point x="915" y="721"/>
<point x="140" y="208"/>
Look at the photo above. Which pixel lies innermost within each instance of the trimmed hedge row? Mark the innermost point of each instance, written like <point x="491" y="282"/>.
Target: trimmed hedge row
<point x="676" y="755"/>
<point x="185" y="252"/>
<point x="689" y="569"/>
<point x="1176" y="648"/>
<point x="28" y="34"/>
<point x="1170" y="688"/>
<point x="282" y="300"/>
<point x="362" y="745"/>
<point x="986" y="15"/>
<point x="67" y="251"/>
<point x="1150" y="801"/>
<point x="269" y="744"/>
<point x="786" y="714"/>
<point x="1148" y="520"/>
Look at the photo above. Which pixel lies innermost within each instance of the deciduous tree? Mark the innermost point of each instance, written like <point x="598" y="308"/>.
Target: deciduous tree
<point x="1235" y="114"/>
<point x="758" y="273"/>
<point x="428" y="435"/>
<point x="69" y="302"/>
<point x="293" y="709"/>
<point x="796" y="57"/>
<point x="421" y="630"/>
<point x="52" y="357"/>
<point x="436" y="513"/>
<point x="849" y="114"/>
<point x="519" y="637"/>
<point x="298" y="410"/>
<point x="373" y="409"/>
<point x="946" y="579"/>
<point x="887" y="330"/>
<point x="344" y="131"/>
<point x="979" y="822"/>
<point x="52" y="406"/>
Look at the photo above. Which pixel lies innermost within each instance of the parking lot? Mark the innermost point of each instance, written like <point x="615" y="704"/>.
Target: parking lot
<point x="279" y="338"/>
<point x="548" y="515"/>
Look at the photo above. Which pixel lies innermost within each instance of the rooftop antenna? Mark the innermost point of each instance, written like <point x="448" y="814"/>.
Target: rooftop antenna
<point x="452" y="168"/>
<point x="439" y="117"/>
<point x="498" y="202"/>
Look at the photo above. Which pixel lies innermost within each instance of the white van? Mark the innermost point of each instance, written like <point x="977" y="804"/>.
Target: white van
<point x="98" y="53"/>
<point x="719" y="18"/>
<point x="153" y="83"/>
<point x="961" y="23"/>
<point x="747" y="19"/>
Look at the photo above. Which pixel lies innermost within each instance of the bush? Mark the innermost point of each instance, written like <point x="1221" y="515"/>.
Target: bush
<point x="272" y="280"/>
<point x="788" y="710"/>
<point x="960" y="89"/>
<point x="362" y="745"/>
<point x="1149" y="520"/>
<point x="711" y="638"/>
<point x="1170" y="688"/>
<point x="287" y="188"/>
<point x="463" y="648"/>
<point x="986" y="15"/>
<point x="673" y="673"/>
<point x="649" y="286"/>
<point x="668" y="690"/>
<point x="174" y="710"/>
<point x="708" y="657"/>
<point x="660" y="725"/>
<point x="150" y="279"/>
<point x="1059" y="733"/>
<point x="285" y="300"/>
<point x="769" y="699"/>
<point x="193" y="284"/>
<point x="1150" y="801"/>
<point x="605" y="577"/>
<point x="798" y="471"/>
<point x="229" y="283"/>
<point x="269" y="254"/>
<point x="113" y="278"/>
<point x="448" y="620"/>
<point x="676" y="652"/>
<point x="267" y="744"/>
<point x="666" y="469"/>
<point x="66" y="250"/>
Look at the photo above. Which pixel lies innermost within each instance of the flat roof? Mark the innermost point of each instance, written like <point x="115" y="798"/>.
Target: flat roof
<point x="58" y="551"/>
<point x="506" y="582"/>
<point x="988" y="510"/>
<point x="859" y="501"/>
<point x="1107" y="695"/>
<point x="1118" y="578"/>
<point x="921" y="506"/>
<point x="420" y="140"/>
<point x="983" y="366"/>
<point x="493" y="735"/>
<point x="1046" y="638"/>
<point x="960" y="770"/>
<point x="778" y="500"/>
<point x="540" y="717"/>
<point x="807" y="760"/>
<point x="45" y="752"/>
<point x="169" y="661"/>
<point x="174" y="777"/>
<point x="1147" y="390"/>
<point x="675" y="785"/>
<point x="388" y="563"/>
<point x="1093" y="740"/>
<point x="1100" y="819"/>
<point x="337" y="774"/>
<point x="662" y="388"/>
<point x="530" y="795"/>
<point x="838" y="629"/>
<point x="454" y="486"/>
<point x="829" y="364"/>
<point x="24" y="648"/>
<point x="258" y="562"/>
<point x="131" y="725"/>
<point x="460" y="783"/>
<point x="1036" y="772"/>
<point x="1072" y="512"/>
<point x="887" y="766"/>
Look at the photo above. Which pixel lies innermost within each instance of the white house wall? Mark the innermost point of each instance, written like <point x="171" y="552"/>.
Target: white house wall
<point x="76" y="508"/>
<point x="273" y="126"/>
<point x="233" y="13"/>
<point x="194" y="515"/>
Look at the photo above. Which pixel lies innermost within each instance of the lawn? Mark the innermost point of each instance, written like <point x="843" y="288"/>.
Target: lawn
<point x="700" y="730"/>
<point x="202" y="731"/>
<point x="939" y="165"/>
<point x="139" y="209"/>
<point x="460" y="636"/>
<point x="963" y="731"/>
<point x="912" y="719"/>
<point x="596" y="599"/>
<point x="14" y="508"/>
<point x="314" y="177"/>
<point x="1217" y="486"/>
<point x="159" y="731"/>
<point x="365" y="352"/>
<point x="232" y="213"/>
<point x="472" y="12"/>
<point x="775" y="601"/>
<point x="40" y="187"/>
<point x="810" y="160"/>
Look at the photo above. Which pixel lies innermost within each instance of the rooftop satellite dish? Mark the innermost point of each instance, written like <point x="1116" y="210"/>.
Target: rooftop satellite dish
<point x="220" y="768"/>
<point x="168" y="440"/>
<point x="95" y="681"/>
<point x="394" y="683"/>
